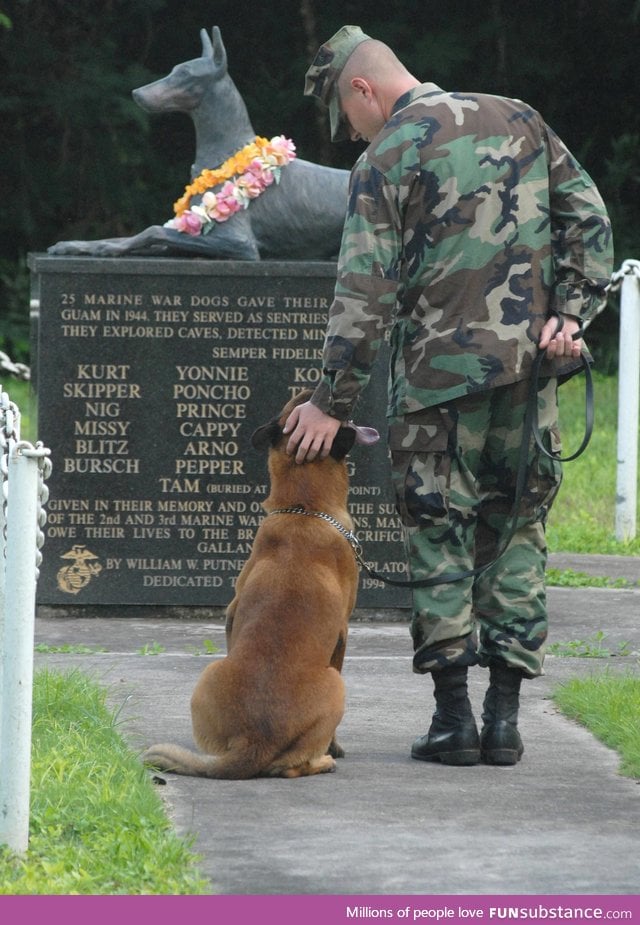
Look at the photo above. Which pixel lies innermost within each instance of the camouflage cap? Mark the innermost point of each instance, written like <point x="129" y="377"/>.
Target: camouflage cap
<point x="322" y="77"/>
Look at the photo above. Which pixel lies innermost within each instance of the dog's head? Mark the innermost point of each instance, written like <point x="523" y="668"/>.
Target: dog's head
<point x="269" y="435"/>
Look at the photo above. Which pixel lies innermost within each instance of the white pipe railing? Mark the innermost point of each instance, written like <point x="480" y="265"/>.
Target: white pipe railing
<point x="23" y="469"/>
<point x="628" y="402"/>
<point x="9" y="435"/>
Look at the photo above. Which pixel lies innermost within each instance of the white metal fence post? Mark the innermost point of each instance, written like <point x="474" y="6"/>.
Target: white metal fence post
<point x="20" y="587"/>
<point x="2" y="594"/>
<point x="628" y="402"/>
<point x="23" y="493"/>
<point x="9" y="434"/>
<point x="2" y="604"/>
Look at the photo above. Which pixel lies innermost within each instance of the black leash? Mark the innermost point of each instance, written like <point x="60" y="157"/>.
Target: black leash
<point x="530" y="429"/>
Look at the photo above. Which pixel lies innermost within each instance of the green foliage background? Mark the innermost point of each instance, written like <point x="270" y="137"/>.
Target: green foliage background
<point x="81" y="160"/>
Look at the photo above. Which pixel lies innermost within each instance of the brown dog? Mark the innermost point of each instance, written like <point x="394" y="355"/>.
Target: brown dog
<point x="271" y="707"/>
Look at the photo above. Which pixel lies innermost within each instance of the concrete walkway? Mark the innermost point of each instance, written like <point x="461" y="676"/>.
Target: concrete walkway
<point x="562" y="822"/>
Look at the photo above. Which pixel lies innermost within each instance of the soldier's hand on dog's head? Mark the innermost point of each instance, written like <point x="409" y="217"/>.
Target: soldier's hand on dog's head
<point x="311" y="432"/>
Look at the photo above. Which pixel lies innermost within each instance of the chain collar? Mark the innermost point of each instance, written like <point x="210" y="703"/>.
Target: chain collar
<point x="348" y="535"/>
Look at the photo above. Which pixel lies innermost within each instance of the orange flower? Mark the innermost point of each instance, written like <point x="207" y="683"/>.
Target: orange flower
<point x="236" y="165"/>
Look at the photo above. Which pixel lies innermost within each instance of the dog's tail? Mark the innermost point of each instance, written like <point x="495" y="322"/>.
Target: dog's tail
<point x="238" y="764"/>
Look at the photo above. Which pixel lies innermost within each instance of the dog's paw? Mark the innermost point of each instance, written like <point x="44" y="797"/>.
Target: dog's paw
<point x="335" y="749"/>
<point x="156" y="758"/>
<point x="323" y="765"/>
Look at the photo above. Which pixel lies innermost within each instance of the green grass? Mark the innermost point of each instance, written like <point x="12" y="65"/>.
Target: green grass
<point x="593" y="647"/>
<point x="97" y="824"/>
<point x="609" y="706"/>
<point x="567" y="578"/>
<point x="151" y="648"/>
<point x="582" y="519"/>
<point x="207" y="647"/>
<point x="21" y="394"/>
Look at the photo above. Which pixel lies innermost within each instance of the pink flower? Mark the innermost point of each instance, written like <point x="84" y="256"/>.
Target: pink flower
<point x="220" y="206"/>
<point x="253" y="182"/>
<point x="258" y="176"/>
<point x="280" y="151"/>
<point x="188" y="223"/>
<point x="266" y="173"/>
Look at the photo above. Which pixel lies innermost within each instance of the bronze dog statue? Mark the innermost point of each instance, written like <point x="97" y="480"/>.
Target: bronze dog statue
<point x="300" y="218"/>
<point x="271" y="707"/>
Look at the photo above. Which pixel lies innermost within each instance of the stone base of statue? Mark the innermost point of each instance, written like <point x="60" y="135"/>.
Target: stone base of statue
<point x="151" y="376"/>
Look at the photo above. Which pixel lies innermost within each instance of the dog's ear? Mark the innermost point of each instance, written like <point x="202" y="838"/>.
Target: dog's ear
<point x="342" y="443"/>
<point x="267" y="435"/>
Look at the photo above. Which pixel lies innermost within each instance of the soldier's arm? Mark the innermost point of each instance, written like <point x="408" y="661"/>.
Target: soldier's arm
<point x="581" y="236"/>
<point x="365" y="294"/>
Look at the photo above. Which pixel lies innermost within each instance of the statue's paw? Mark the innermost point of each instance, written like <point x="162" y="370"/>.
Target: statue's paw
<point x="109" y="247"/>
<point x="68" y="248"/>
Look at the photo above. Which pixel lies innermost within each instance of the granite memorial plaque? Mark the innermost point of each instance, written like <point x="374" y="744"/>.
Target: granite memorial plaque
<point x="151" y="376"/>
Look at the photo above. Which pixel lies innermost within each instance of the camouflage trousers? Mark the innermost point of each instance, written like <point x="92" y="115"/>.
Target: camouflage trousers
<point x="454" y="474"/>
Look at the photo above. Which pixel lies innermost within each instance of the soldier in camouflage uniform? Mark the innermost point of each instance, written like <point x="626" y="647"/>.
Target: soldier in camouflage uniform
<point x="470" y="230"/>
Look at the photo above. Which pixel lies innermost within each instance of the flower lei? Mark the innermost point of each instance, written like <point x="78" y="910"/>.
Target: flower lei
<point x="247" y="174"/>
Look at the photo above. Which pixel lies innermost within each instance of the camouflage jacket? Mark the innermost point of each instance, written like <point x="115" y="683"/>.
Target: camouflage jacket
<point x="468" y="221"/>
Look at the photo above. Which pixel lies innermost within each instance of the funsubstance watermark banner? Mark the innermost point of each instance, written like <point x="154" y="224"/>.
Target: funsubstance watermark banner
<point x="325" y="910"/>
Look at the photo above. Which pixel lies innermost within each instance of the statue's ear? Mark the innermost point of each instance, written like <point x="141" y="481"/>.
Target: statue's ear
<point x="214" y="49"/>
<point x="342" y="443"/>
<point x="267" y="435"/>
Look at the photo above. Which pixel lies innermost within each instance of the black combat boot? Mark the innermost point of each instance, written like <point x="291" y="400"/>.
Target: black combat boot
<point x="500" y="741"/>
<point x="453" y="735"/>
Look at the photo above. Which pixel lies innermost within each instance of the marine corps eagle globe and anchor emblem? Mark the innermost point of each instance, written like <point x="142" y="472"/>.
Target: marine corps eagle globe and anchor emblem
<point x="76" y="576"/>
